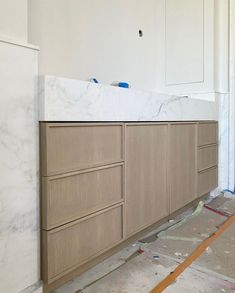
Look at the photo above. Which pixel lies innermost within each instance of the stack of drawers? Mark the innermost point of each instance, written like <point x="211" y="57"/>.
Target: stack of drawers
<point x="207" y="157"/>
<point x="101" y="183"/>
<point x="82" y="193"/>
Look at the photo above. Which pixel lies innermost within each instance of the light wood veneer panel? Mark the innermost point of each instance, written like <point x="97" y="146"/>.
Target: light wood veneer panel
<point x="182" y="167"/>
<point x="69" y="147"/>
<point x="207" y="157"/>
<point x="146" y="171"/>
<point x="85" y="166"/>
<point x="71" y="246"/>
<point x="73" y="196"/>
<point x="207" y="133"/>
<point x="207" y="181"/>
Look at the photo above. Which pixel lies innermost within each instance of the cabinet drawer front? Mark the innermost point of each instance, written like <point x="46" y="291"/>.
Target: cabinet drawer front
<point x="207" y="181"/>
<point x="207" y="157"/>
<point x="207" y="133"/>
<point x="74" y="196"/>
<point x="75" y="146"/>
<point x="72" y="246"/>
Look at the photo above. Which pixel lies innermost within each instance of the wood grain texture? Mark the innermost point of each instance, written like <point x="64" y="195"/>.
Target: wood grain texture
<point x="207" y="181"/>
<point x="146" y="171"/>
<point x="70" y="147"/>
<point x="72" y="196"/>
<point x="207" y="157"/>
<point x="182" y="165"/>
<point x="72" y="245"/>
<point x="86" y="181"/>
<point x="207" y="133"/>
<point x="47" y="288"/>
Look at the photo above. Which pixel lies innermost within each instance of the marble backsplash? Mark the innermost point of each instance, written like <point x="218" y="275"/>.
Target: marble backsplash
<point x="62" y="99"/>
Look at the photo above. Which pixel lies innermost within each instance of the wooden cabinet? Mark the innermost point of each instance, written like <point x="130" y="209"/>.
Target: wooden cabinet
<point x="82" y="193"/>
<point x="182" y="164"/>
<point x="207" y="181"/>
<point x="103" y="183"/>
<point x="146" y="175"/>
<point x="71" y="196"/>
<point x="70" y="147"/>
<point x="207" y="157"/>
<point x="207" y="133"/>
<point x="75" y="243"/>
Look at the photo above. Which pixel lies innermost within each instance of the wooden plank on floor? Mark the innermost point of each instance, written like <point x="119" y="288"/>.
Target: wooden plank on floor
<point x="193" y="256"/>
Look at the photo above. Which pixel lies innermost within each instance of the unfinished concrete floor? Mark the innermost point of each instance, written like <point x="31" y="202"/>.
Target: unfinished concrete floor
<point x="131" y="272"/>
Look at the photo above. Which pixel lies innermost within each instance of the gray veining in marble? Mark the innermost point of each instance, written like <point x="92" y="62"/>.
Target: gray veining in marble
<point x="19" y="200"/>
<point x="64" y="99"/>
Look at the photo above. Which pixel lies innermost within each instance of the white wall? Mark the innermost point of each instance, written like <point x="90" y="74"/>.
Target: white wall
<point x="86" y="38"/>
<point x="232" y="97"/>
<point x="13" y="19"/>
<point x="185" y="48"/>
<point x="222" y="46"/>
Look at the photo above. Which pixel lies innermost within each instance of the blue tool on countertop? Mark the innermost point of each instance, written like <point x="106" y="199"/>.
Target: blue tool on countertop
<point x="124" y="85"/>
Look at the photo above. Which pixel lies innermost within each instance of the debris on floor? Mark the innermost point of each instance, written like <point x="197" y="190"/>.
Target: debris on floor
<point x="142" y="265"/>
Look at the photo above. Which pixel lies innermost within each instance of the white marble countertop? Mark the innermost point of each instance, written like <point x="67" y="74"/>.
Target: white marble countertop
<point x="62" y="99"/>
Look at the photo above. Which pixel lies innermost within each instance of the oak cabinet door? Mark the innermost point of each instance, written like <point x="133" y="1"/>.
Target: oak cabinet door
<point x="182" y="165"/>
<point x="146" y="173"/>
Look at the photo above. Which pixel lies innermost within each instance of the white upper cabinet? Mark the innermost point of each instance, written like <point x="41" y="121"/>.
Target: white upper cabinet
<point x="184" y="41"/>
<point x="187" y="33"/>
